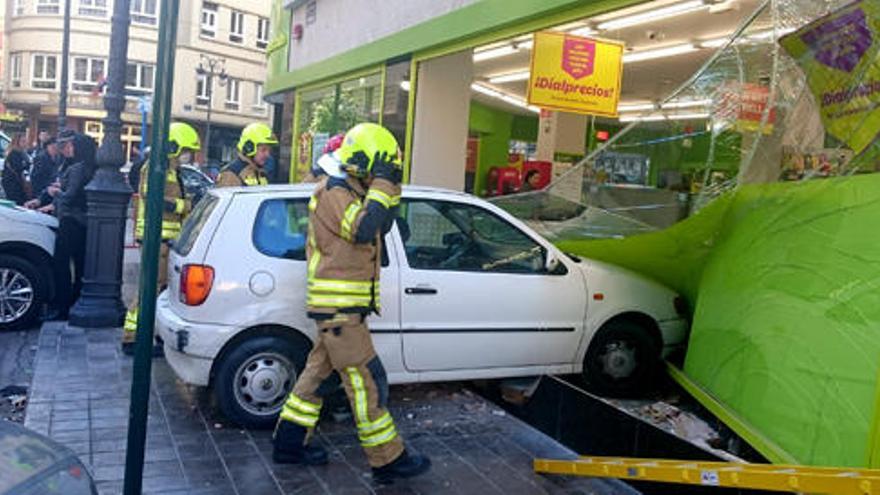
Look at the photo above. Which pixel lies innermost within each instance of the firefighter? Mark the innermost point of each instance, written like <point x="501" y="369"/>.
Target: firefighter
<point x="347" y="221"/>
<point x="183" y="142"/>
<point x="254" y="149"/>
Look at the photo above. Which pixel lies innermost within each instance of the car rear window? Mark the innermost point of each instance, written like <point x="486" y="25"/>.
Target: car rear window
<point x="193" y="224"/>
<point x="280" y="228"/>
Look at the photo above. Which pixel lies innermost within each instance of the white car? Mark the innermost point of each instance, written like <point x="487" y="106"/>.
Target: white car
<point x="27" y="241"/>
<point x="467" y="292"/>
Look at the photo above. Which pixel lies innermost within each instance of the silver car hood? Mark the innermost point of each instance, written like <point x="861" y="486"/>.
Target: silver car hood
<point x="10" y="212"/>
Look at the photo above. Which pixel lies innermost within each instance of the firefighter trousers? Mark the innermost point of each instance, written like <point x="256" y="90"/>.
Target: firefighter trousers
<point x="344" y="351"/>
<point x="130" y="327"/>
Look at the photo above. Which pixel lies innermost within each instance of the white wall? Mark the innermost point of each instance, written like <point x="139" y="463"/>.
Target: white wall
<point x="341" y="25"/>
<point x="441" y="121"/>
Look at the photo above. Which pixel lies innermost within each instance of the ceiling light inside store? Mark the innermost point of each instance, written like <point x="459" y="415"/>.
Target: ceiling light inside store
<point x="500" y="95"/>
<point x="584" y="31"/>
<point x="653" y="15"/>
<point x="511" y="77"/>
<point x="670" y="105"/>
<point x="685" y="104"/>
<point x="635" y="107"/>
<point x="662" y="117"/>
<point x="669" y="51"/>
<point x="768" y="35"/>
<point x="491" y="53"/>
<point x="502" y="51"/>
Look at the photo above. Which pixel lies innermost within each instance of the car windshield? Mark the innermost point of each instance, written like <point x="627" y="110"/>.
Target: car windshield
<point x="194" y="223"/>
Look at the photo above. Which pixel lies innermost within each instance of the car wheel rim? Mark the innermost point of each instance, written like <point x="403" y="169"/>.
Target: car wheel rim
<point x="619" y="359"/>
<point x="16" y="295"/>
<point x="262" y="383"/>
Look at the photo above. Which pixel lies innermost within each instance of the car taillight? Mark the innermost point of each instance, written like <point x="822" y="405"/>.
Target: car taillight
<point x="195" y="284"/>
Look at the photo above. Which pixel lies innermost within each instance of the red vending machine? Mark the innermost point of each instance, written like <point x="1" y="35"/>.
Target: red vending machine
<point x="545" y="171"/>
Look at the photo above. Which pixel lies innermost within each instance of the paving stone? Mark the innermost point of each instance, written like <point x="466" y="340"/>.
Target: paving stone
<point x="80" y="393"/>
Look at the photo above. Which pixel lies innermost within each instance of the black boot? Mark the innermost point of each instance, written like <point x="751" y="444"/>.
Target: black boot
<point x="405" y="466"/>
<point x="288" y="448"/>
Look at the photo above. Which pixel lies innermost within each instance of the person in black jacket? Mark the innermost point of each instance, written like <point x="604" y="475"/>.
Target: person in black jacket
<point x="14" y="180"/>
<point x="45" y="173"/>
<point x="134" y="175"/>
<point x="69" y="205"/>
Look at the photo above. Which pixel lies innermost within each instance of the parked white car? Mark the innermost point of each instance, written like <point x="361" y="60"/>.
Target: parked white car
<point x="27" y="241"/>
<point x="467" y="292"/>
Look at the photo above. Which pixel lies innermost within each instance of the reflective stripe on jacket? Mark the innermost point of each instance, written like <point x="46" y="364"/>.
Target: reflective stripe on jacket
<point x="241" y="172"/>
<point x="171" y="221"/>
<point x="344" y="244"/>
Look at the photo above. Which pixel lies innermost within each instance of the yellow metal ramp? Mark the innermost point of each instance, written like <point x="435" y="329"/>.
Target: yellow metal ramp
<point x="782" y="478"/>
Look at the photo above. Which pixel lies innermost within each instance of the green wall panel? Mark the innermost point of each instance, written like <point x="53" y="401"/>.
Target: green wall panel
<point x="494" y="129"/>
<point x="785" y="279"/>
<point x="492" y="18"/>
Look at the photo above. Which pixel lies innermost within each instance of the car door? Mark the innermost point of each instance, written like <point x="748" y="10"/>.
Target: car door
<point x="476" y="293"/>
<point x="279" y="235"/>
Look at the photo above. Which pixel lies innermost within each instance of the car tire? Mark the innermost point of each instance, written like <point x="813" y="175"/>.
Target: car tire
<point x="19" y="279"/>
<point x="249" y="384"/>
<point x="621" y="360"/>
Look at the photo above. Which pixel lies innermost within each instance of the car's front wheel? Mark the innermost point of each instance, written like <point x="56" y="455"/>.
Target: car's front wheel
<point x="253" y="379"/>
<point x="21" y="292"/>
<point x="621" y="359"/>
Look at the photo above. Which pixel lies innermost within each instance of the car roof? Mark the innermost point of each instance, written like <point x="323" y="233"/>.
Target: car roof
<point x="308" y="187"/>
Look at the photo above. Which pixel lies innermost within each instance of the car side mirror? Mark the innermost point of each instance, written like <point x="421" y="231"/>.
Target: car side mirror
<point x="551" y="262"/>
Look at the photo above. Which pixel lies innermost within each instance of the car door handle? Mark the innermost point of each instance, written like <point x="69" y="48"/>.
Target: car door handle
<point x="420" y="291"/>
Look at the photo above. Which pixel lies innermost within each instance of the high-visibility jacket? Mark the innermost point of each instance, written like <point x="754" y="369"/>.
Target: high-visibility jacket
<point x="241" y="172"/>
<point x="175" y="205"/>
<point x="346" y="227"/>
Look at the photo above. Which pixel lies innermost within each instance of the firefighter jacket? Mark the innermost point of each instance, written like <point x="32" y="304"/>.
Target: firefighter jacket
<point x="175" y="205"/>
<point x="241" y="172"/>
<point x="346" y="227"/>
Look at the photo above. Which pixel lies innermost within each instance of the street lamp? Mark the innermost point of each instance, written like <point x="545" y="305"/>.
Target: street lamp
<point x="65" y="58"/>
<point x="107" y="197"/>
<point x="210" y="67"/>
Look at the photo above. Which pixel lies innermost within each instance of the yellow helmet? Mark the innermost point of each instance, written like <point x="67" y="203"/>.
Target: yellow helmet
<point x="182" y="136"/>
<point x="254" y="135"/>
<point x="360" y="146"/>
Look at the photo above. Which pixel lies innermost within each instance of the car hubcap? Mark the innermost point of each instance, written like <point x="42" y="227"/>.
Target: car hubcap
<point x="619" y="359"/>
<point x="262" y="383"/>
<point x="16" y="295"/>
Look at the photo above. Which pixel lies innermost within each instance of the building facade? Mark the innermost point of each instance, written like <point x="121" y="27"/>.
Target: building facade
<point x="450" y="78"/>
<point x="233" y="35"/>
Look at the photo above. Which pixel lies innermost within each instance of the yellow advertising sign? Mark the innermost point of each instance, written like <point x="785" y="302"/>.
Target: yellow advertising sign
<point x="838" y="54"/>
<point x="575" y="74"/>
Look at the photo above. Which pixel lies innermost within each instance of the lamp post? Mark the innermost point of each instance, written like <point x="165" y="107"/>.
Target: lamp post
<point x="65" y="58"/>
<point x="210" y="67"/>
<point x="107" y="197"/>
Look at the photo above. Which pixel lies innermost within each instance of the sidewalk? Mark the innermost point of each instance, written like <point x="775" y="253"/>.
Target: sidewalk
<point x="79" y="396"/>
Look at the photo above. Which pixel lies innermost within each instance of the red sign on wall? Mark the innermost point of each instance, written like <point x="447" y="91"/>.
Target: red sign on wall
<point x="746" y="103"/>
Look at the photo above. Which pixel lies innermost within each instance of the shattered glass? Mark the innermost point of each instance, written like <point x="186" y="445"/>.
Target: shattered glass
<point x="766" y="223"/>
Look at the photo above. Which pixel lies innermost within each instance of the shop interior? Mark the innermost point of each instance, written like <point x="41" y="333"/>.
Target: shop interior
<point x="666" y="43"/>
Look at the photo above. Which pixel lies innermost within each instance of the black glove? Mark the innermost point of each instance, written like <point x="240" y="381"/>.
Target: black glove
<point x="170" y="207"/>
<point x="384" y="167"/>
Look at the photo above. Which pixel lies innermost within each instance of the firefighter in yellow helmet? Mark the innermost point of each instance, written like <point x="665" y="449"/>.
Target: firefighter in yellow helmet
<point x="183" y="142"/>
<point x="348" y="217"/>
<point x="254" y="149"/>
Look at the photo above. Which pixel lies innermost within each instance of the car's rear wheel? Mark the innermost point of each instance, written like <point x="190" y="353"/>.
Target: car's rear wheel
<point x="253" y="379"/>
<point x="621" y="359"/>
<point x="21" y="292"/>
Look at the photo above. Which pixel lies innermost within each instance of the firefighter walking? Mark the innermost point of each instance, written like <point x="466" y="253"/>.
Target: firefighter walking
<point x="254" y="149"/>
<point x="183" y="142"/>
<point x="347" y="222"/>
